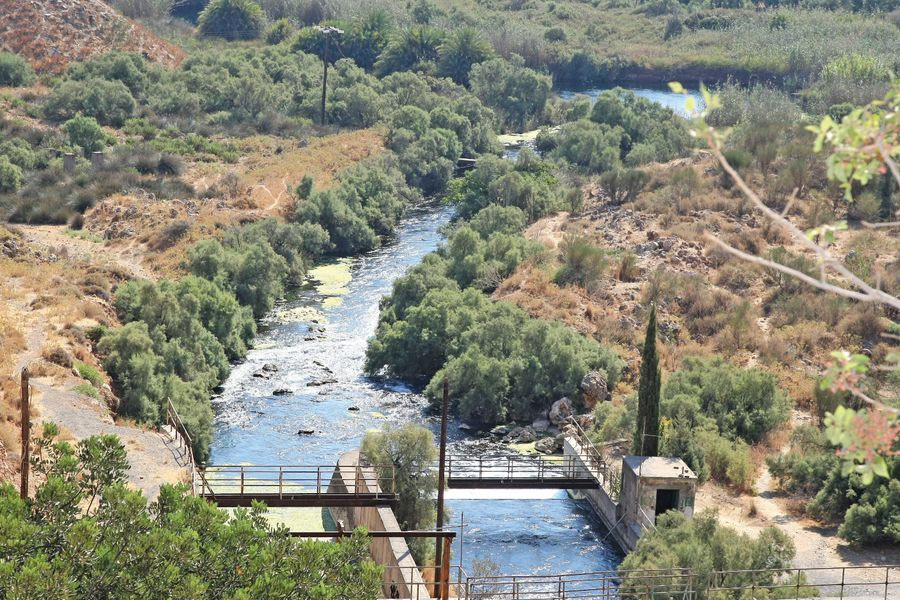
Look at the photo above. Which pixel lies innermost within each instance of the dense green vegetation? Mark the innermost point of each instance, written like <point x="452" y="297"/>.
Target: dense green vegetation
<point x="501" y="363"/>
<point x="867" y="513"/>
<point x="431" y="122"/>
<point x="623" y="129"/>
<point x="411" y="451"/>
<point x="14" y="71"/>
<point x="711" y="412"/>
<point x="179" y="336"/>
<point x="85" y="534"/>
<point x="703" y="546"/>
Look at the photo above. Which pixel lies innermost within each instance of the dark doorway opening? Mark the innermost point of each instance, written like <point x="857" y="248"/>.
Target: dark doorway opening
<point x="666" y="500"/>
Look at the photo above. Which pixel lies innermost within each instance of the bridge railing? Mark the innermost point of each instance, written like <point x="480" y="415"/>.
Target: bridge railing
<point x="593" y="455"/>
<point x="877" y="583"/>
<point x="511" y="468"/>
<point x="292" y="480"/>
<point x="183" y="438"/>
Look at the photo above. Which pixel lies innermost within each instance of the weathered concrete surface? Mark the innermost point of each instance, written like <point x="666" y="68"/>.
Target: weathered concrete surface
<point x="625" y="533"/>
<point x="393" y="553"/>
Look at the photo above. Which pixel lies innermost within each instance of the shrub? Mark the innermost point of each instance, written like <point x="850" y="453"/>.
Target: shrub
<point x="674" y="27"/>
<point x="14" y="70"/>
<point x="411" y="451"/>
<point x="515" y="91"/>
<point x="11" y="177"/>
<point x="623" y="185"/>
<point x="595" y="148"/>
<point x="84" y="493"/>
<point x="703" y="545"/>
<point x="85" y="133"/>
<point x="19" y="153"/>
<point x="555" y="34"/>
<point x="742" y="403"/>
<point x="110" y="102"/>
<point x="231" y="19"/>
<point x="279" y="31"/>
<point x="728" y="461"/>
<point x="653" y="132"/>
<point x="86" y="389"/>
<point x="583" y="263"/>
<point x="90" y="373"/>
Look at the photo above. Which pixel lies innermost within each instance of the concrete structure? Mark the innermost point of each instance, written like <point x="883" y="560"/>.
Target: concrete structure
<point x="648" y="486"/>
<point x="651" y="485"/>
<point x="392" y="553"/>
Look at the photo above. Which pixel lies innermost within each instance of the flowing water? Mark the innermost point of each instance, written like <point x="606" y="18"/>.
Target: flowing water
<point x="660" y="96"/>
<point x="317" y="341"/>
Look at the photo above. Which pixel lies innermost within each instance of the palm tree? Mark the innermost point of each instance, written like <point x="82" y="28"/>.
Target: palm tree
<point x="460" y="51"/>
<point x="410" y="50"/>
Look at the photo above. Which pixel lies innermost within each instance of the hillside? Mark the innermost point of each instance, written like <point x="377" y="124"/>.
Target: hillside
<point x="49" y="34"/>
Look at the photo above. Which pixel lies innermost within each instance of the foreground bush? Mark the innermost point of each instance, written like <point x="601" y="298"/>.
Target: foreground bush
<point x="86" y="535"/>
<point x="703" y="545"/>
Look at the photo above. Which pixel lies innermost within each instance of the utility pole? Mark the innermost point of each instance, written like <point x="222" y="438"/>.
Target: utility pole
<point x="327" y="31"/>
<point x="440" y="499"/>
<point x="26" y="434"/>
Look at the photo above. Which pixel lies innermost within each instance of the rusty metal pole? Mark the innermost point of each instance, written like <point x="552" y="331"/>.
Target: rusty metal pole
<point x="26" y="434"/>
<point x="445" y="571"/>
<point x="440" y="491"/>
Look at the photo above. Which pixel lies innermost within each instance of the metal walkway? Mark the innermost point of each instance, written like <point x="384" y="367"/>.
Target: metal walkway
<point x="518" y="472"/>
<point x="296" y="485"/>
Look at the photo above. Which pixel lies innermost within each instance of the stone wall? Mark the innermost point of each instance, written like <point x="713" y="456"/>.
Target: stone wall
<point x="392" y="553"/>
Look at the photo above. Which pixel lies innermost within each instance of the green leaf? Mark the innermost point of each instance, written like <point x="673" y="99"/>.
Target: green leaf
<point x="676" y="87"/>
<point x="879" y="467"/>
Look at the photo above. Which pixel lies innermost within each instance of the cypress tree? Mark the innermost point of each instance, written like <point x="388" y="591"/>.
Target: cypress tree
<point x="646" y="438"/>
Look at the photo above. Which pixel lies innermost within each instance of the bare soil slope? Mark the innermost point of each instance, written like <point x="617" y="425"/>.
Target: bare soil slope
<point x="52" y="33"/>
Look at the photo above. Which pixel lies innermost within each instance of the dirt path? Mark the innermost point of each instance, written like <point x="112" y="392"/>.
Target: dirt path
<point x="154" y="458"/>
<point x="816" y="545"/>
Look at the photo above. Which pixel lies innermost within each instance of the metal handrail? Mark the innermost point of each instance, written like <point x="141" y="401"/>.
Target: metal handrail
<point x="181" y="433"/>
<point x="792" y="582"/>
<point x="252" y="480"/>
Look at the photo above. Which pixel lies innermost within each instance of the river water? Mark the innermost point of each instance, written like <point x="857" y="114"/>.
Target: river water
<point x="317" y="340"/>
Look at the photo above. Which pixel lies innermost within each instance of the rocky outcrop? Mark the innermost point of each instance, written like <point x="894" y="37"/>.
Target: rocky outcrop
<point x="595" y="388"/>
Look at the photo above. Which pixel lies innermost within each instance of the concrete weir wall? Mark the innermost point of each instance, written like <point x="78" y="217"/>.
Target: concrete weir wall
<point x="393" y="553"/>
<point x="625" y="533"/>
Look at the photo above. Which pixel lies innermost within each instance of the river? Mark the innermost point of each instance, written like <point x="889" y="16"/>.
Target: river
<point x="317" y="340"/>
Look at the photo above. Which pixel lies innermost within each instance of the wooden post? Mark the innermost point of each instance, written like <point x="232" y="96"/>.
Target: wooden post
<point x="26" y="434"/>
<point x="440" y="491"/>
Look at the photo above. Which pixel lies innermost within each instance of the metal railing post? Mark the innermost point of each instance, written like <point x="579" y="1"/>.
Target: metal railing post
<point x="242" y="480"/>
<point x="280" y="482"/>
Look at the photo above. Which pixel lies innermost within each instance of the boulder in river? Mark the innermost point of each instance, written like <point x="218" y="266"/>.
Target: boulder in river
<point x="521" y="435"/>
<point x="304" y="431"/>
<point x="541" y="425"/>
<point x="501" y="430"/>
<point x="560" y="411"/>
<point x="353" y="409"/>
<point x="282" y="392"/>
<point x="548" y="445"/>
<point x="270" y="368"/>
<point x="323" y="381"/>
